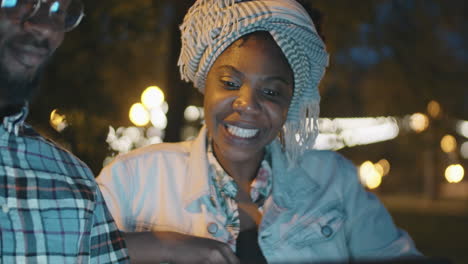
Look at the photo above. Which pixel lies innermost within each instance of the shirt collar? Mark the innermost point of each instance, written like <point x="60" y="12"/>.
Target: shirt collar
<point x="15" y="122"/>
<point x="224" y="183"/>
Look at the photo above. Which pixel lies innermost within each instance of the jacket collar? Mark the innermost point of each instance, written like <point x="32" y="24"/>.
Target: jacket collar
<point x="292" y="186"/>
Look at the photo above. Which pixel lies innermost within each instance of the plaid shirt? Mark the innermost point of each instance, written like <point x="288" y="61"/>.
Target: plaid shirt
<point x="51" y="210"/>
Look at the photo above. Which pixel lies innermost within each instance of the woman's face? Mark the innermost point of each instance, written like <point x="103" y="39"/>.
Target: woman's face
<point x="247" y="95"/>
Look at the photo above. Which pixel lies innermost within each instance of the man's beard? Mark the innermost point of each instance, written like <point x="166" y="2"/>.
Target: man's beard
<point x="16" y="90"/>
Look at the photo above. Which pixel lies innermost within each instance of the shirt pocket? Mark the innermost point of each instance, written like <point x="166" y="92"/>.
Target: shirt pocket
<point x="315" y="227"/>
<point x="65" y="235"/>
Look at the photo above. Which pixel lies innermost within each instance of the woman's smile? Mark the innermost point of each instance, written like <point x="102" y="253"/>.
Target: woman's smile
<point x="241" y="132"/>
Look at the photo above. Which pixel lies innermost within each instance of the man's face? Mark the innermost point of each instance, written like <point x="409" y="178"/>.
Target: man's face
<point x="24" y="50"/>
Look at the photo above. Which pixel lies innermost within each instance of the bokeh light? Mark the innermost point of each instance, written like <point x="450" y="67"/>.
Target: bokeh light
<point x="454" y="173"/>
<point x="165" y="107"/>
<point x="139" y="115"/>
<point x="58" y="121"/>
<point x="433" y="109"/>
<point x="369" y="175"/>
<point x="158" y="118"/>
<point x="448" y="144"/>
<point x="419" y="122"/>
<point x="152" y="97"/>
<point x="191" y="113"/>
<point x="133" y="133"/>
<point x="464" y="150"/>
<point x="385" y="164"/>
<point x="462" y="128"/>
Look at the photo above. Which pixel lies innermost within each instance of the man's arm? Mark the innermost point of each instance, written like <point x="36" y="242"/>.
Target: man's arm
<point x="106" y="242"/>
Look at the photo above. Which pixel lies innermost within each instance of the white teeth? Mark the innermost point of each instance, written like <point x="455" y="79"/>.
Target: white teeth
<point x="241" y="132"/>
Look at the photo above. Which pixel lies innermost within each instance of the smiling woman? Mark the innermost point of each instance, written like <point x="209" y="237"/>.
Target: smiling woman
<point x="250" y="188"/>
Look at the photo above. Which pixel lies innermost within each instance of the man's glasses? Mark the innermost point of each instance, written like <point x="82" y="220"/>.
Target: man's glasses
<point x="63" y="15"/>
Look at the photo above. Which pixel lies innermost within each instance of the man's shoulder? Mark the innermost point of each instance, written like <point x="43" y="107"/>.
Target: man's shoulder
<point x="54" y="157"/>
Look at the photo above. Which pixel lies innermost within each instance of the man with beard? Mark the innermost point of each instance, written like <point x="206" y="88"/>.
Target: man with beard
<point x="51" y="210"/>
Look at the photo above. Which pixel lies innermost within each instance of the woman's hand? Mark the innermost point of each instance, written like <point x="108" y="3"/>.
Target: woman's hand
<point x="172" y="247"/>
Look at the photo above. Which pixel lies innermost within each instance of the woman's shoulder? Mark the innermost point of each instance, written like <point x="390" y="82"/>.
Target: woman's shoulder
<point x="326" y="157"/>
<point x="328" y="168"/>
<point x="155" y="151"/>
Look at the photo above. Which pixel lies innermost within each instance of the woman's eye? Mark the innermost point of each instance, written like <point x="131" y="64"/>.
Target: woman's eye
<point x="271" y="92"/>
<point x="230" y="84"/>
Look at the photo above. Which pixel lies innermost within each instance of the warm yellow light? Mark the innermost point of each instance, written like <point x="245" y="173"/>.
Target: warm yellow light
<point x="58" y="121"/>
<point x="419" y="122"/>
<point x="448" y="144"/>
<point x="373" y="181"/>
<point x="433" y="108"/>
<point x="370" y="175"/>
<point x="365" y="169"/>
<point x="454" y="173"/>
<point x="379" y="168"/>
<point x="139" y="115"/>
<point x="153" y="96"/>
<point x="385" y="166"/>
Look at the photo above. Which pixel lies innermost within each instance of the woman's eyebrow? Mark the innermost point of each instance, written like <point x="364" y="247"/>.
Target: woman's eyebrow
<point x="277" y="78"/>
<point x="228" y="68"/>
<point x="267" y="79"/>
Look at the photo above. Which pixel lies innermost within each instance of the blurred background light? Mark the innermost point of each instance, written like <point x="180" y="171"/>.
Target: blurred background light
<point x="369" y="175"/>
<point x="448" y="144"/>
<point x="152" y="97"/>
<point x="454" y="173"/>
<point x="464" y="150"/>
<point x="368" y="135"/>
<point x="385" y="165"/>
<point x="419" y="122"/>
<point x="139" y="115"/>
<point x="340" y="132"/>
<point x="58" y="121"/>
<point x="462" y="128"/>
<point x="433" y="109"/>
<point x="192" y="113"/>
<point x="158" y="118"/>
<point x="165" y="107"/>
<point x="133" y="133"/>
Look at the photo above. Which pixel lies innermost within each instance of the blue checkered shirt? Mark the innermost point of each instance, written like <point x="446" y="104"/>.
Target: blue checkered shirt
<point x="51" y="210"/>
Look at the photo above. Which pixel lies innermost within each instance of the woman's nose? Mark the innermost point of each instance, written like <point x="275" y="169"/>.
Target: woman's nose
<point x="246" y="101"/>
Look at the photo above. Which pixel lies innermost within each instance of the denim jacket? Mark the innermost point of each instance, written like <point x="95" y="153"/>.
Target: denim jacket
<point x="318" y="211"/>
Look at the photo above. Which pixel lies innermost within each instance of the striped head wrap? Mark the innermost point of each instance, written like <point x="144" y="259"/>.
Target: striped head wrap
<point x="211" y="26"/>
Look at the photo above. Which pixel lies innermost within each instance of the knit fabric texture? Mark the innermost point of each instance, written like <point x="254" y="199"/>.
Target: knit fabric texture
<point x="211" y="26"/>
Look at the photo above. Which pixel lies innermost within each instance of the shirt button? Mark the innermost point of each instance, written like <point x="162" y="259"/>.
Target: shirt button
<point x="327" y="231"/>
<point x="5" y="208"/>
<point x="212" y="228"/>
